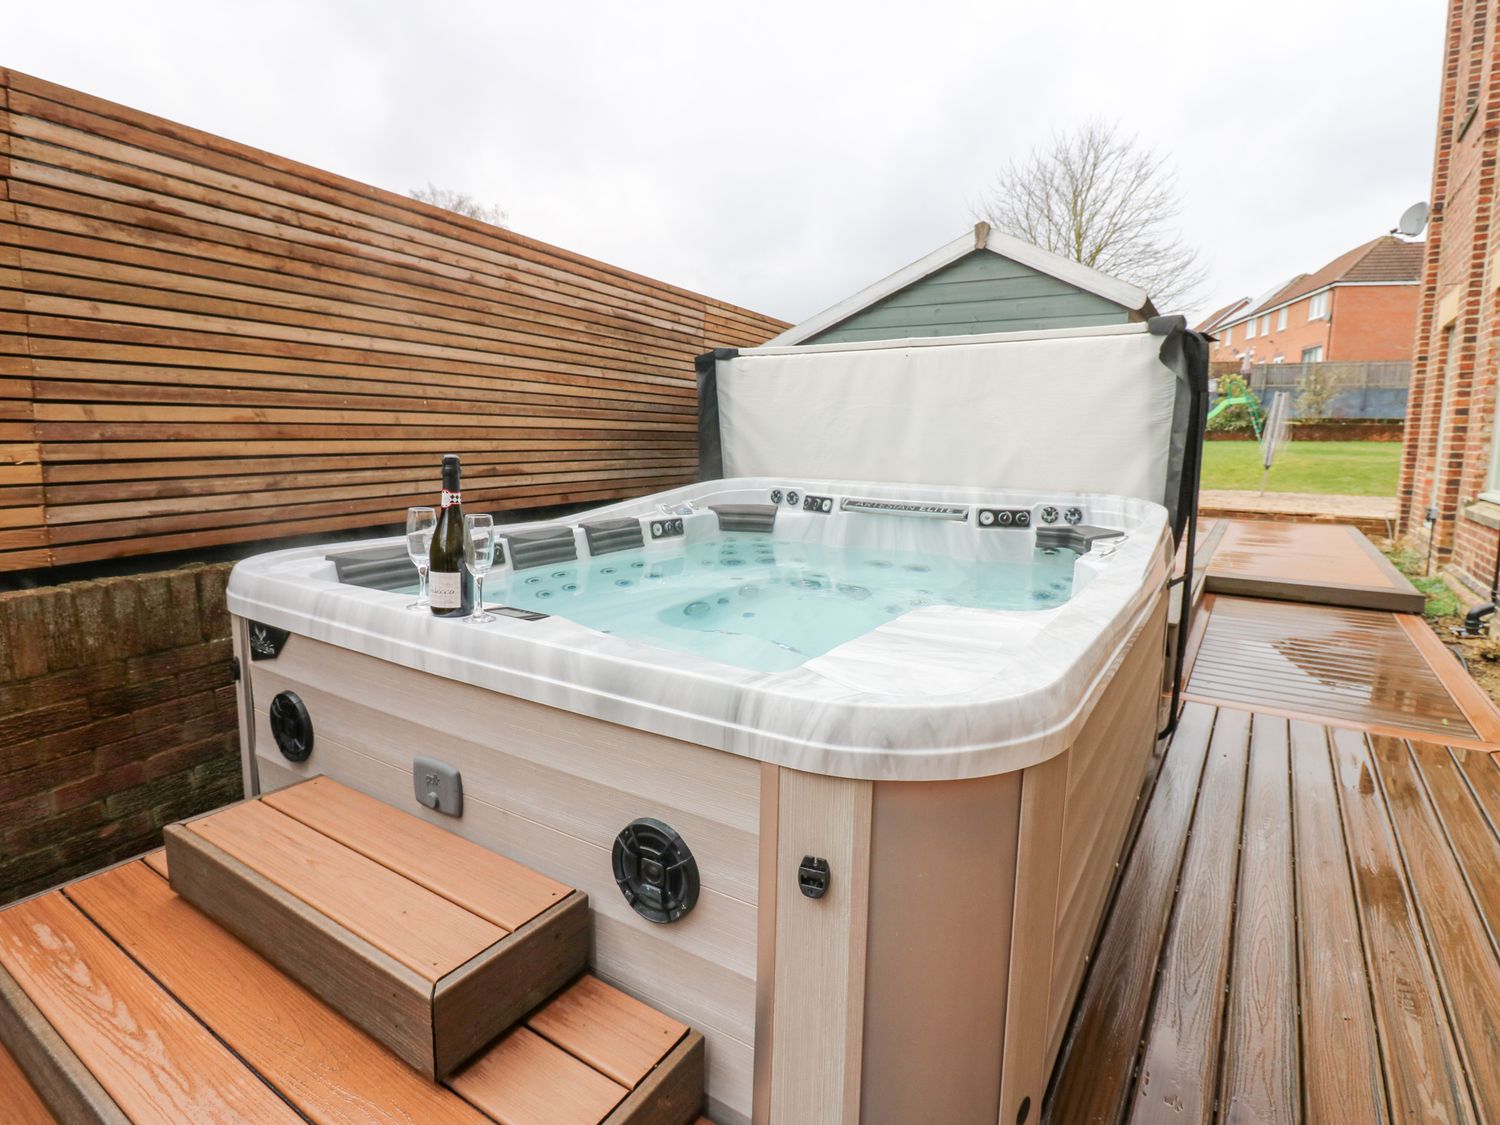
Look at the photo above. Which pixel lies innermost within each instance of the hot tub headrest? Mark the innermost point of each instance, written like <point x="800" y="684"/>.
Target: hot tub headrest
<point x="745" y="517"/>
<point x="607" y="536"/>
<point x="1079" y="539"/>
<point x="543" y="547"/>
<point x="386" y="567"/>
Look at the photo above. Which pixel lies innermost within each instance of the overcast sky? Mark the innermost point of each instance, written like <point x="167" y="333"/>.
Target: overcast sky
<point x="783" y="155"/>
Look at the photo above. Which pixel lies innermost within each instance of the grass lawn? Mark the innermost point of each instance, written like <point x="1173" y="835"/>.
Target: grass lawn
<point x="1353" y="468"/>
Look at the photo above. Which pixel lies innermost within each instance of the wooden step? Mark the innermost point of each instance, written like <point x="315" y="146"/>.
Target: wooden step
<point x="196" y="1026"/>
<point x="430" y="943"/>
<point x="592" y="1055"/>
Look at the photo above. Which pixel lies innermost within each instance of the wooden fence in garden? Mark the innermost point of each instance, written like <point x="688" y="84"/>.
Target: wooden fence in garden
<point x="203" y="344"/>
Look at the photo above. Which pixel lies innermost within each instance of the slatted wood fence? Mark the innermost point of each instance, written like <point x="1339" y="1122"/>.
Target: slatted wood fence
<point x="203" y="344"/>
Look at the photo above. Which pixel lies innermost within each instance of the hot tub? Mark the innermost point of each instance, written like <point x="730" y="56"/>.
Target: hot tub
<point x="899" y="729"/>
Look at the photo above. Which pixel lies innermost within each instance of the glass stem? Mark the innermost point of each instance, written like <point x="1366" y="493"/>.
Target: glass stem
<point x="478" y="597"/>
<point x="422" y="586"/>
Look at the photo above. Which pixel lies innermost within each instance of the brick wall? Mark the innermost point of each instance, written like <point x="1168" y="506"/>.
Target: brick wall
<point x="117" y="716"/>
<point x="1451" y="407"/>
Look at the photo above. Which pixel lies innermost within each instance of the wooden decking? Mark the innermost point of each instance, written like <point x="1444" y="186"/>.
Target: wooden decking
<point x="1305" y="929"/>
<point x="120" y="1000"/>
<point x="1306" y="926"/>
<point x="1323" y="564"/>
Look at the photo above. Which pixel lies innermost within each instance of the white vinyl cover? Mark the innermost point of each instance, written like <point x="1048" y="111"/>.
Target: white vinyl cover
<point x="1085" y="410"/>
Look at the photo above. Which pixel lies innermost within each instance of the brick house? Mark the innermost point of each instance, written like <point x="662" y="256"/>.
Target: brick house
<point x="1449" y="495"/>
<point x="1360" y="306"/>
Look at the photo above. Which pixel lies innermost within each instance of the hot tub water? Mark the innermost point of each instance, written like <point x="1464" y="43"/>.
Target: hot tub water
<point x="769" y="605"/>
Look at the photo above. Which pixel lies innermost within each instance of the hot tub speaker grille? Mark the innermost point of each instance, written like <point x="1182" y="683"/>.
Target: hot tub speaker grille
<point x="655" y="870"/>
<point x="291" y="726"/>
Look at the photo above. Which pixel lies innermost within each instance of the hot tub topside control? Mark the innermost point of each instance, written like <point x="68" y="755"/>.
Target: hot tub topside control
<point x="1004" y="517"/>
<point x="665" y="529"/>
<point x="822" y="504"/>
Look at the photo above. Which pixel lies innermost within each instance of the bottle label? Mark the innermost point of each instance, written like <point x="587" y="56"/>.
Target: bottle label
<point x="445" y="589"/>
<point x="451" y="498"/>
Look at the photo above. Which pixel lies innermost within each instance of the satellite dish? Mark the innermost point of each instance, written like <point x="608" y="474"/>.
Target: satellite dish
<point x="1413" y="221"/>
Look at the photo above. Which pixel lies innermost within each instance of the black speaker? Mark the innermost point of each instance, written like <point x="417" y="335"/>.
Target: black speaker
<point x="656" y="871"/>
<point x="291" y="726"/>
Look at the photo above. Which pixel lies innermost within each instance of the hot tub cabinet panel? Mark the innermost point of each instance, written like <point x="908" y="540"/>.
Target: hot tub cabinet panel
<point x="967" y="776"/>
<point x="933" y="979"/>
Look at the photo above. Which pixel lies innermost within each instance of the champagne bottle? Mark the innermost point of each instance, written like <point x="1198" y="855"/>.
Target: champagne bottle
<point x="449" y="588"/>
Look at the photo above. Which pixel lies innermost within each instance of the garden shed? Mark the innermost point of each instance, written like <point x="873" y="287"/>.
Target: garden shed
<point x="983" y="281"/>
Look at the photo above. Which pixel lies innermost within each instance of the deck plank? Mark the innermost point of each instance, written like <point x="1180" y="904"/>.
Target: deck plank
<point x="1325" y="564"/>
<point x="1261" y="1054"/>
<point x="1359" y="666"/>
<point x="1341" y="1069"/>
<point x="1178" y="1072"/>
<point x="1475" y="837"/>
<point x="1422" y="1072"/>
<point x="1459" y="944"/>
<point x="614" y="1033"/>
<point x="1093" y="1078"/>
<point x="319" y="1061"/>
<point x="495" y="888"/>
<point x="421" y="930"/>
<point x="22" y="1104"/>
<point x="525" y="1080"/>
<point x="154" y="1060"/>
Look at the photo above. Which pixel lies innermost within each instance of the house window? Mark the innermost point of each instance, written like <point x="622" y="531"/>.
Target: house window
<point x="1317" y="306"/>
<point x="1313" y="355"/>
<point x="1250" y="329"/>
<point x="1281" y="320"/>
<point x="1265" y="325"/>
<point x="1278" y="359"/>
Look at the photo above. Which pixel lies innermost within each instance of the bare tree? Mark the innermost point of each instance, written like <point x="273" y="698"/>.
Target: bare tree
<point x="1105" y="200"/>
<point x="460" y="203"/>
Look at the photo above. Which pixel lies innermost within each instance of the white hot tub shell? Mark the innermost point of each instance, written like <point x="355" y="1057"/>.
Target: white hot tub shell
<point x="969" y="775"/>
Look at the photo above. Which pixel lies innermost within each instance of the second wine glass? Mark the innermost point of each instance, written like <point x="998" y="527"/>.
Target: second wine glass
<point x="419" y="524"/>
<point x="479" y="553"/>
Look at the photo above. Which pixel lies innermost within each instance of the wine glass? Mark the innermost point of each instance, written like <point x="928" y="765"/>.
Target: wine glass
<point x="479" y="553"/>
<point x="419" y="524"/>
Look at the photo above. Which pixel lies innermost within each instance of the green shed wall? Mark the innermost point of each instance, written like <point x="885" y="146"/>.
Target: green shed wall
<point x="981" y="292"/>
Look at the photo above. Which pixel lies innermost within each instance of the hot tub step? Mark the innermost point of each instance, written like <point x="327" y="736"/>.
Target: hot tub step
<point x="430" y="943"/>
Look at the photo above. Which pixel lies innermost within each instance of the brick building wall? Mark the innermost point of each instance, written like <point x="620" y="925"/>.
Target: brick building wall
<point x="117" y="716"/>
<point x="1446" y="468"/>
<point x="1373" y="322"/>
<point x="1365" y="322"/>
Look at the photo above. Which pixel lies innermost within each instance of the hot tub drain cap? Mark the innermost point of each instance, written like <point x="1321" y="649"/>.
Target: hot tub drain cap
<point x="655" y="870"/>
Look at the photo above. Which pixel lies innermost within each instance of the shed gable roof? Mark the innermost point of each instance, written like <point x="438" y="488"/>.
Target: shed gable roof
<point x="1111" y="289"/>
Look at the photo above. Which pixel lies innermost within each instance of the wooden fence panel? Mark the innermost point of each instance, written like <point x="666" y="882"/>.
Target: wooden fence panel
<point x="202" y="344"/>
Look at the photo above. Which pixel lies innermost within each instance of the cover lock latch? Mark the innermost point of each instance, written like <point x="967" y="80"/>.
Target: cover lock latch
<point x="813" y="876"/>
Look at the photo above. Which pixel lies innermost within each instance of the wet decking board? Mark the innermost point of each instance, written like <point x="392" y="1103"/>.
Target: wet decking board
<point x="1383" y="671"/>
<point x="21" y="1103"/>
<point x="1343" y="927"/>
<point x="1324" y="564"/>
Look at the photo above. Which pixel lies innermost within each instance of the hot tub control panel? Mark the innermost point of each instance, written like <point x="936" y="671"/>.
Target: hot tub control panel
<point x="821" y="504"/>
<point x="666" y="529"/>
<point x="1004" y="517"/>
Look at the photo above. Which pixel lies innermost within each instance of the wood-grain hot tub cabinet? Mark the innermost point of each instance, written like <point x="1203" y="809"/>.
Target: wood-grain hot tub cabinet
<point x="966" y="775"/>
